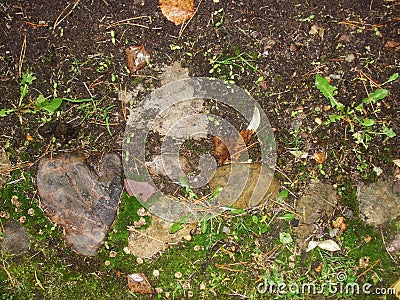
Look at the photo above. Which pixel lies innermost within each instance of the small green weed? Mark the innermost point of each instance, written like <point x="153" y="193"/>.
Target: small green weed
<point x="363" y="129"/>
<point x="228" y="67"/>
<point x="42" y="103"/>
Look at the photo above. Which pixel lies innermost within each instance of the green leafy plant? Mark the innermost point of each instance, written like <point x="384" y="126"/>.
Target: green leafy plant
<point x="27" y="79"/>
<point x="329" y="91"/>
<point x="363" y="129"/>
<point x="189" y="193"/>
<point x="178" y="225"/>
<point x="42" y="103"/>
<point x="227" y="67"/>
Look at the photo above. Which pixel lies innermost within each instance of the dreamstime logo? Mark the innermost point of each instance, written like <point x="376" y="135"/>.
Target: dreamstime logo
<point x="337" y="286"/>
<point x="176" y="112"/>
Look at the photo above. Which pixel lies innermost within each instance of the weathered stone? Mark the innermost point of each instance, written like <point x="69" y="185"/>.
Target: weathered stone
<point x="379" y="202"/>
<point x="242" y="193"/>
<point x="319" y="201"/>
<point x="82" y="200"/>
<point x="15" y="239"/>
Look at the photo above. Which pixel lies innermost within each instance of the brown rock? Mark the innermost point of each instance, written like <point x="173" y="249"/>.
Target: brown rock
<point x="242" y="193"/>
<point x="82" y="200"/>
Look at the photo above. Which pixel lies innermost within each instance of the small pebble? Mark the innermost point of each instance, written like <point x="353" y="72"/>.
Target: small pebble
<point x="139" y="260"/>
<point x="350" y="57"/>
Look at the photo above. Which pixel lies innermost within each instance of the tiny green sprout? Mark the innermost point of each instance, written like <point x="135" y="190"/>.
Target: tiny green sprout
<point x="175" y="227"/>
<point x="112" y="33"/>
<point x="283" y="195"/>
<point x="221" y="19"/>
<point x="212" y="119"/>
<point x="189" y="193"/>
<point x="308" y="19"/>
<point x="393" y="77"/>
<point x="260" y="79"/>
<point x="175" y="47"/>
<point x="377" y="32"/>
<point x="287" y="217"/>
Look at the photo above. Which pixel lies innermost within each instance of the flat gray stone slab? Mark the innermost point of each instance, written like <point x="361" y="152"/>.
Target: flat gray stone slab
<point x="80" y="198"/>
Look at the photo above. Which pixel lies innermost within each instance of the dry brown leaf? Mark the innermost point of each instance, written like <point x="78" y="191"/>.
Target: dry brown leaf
<point x="318" y="269"/>
<point x="329" y="245"/>
<point x="177" y="11"/>
<point x="393" y="45"/>
<point x="319" y="157"/>
<point x="221" y="152"/>
<point x="315" y="29"/>
<point x="136" y="58"/>
<point x="138" y="283"/>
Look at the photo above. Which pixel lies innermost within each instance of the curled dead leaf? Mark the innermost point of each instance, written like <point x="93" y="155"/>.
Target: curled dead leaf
<point x="319" y="157"/>
<point x="319" y="268"/>
<point x="138" y="283"/>
<point x="329" y="245"/>
<point x="177" y="11"/>
<point x="221" y="149"/>
<point x="393" y="45"/>
<point x="136" y="58"/>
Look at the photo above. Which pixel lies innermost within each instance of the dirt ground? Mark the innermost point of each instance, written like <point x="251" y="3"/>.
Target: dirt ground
<point x="76" y="50"/>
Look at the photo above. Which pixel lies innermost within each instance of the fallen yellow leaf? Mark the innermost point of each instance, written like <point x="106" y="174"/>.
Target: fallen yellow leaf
<point x="177" y="11"/>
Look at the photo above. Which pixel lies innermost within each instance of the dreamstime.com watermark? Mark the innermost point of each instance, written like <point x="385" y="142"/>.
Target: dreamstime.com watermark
<point x="338" y="287"/>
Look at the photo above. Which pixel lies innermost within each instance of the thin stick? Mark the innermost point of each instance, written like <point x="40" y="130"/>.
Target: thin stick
<point x="59" y="19"/>
<point x="187" y="23"/>
<point x="8" y="274"/>
<point x="369" y="269"/>
<point x="127" y="22"/>
<point x="132" y="228"/>
<point x="22" y="57"/>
